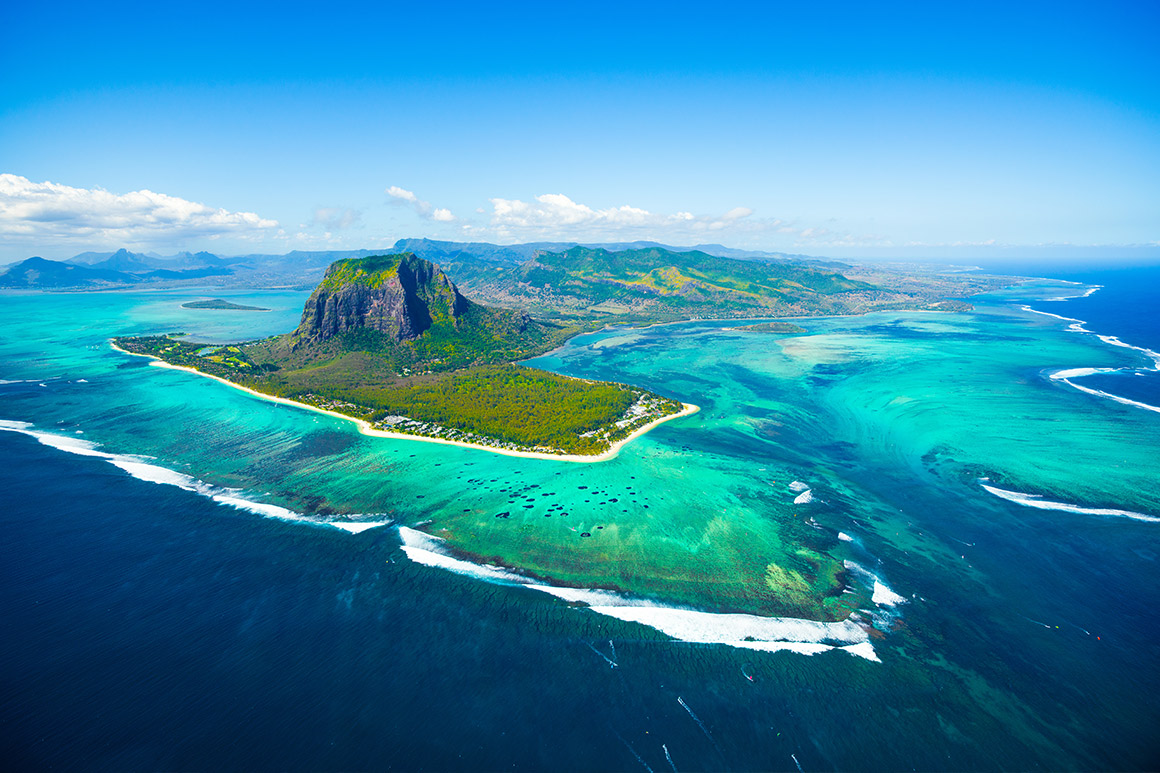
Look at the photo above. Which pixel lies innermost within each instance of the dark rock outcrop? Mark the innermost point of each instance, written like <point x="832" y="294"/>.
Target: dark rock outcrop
<point x="400" y="296"/>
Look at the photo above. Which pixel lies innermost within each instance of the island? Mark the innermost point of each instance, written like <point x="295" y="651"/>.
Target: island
<point x="219" y="303"/>
<point x="776" y="326"/>
<point x="389" y="342"/>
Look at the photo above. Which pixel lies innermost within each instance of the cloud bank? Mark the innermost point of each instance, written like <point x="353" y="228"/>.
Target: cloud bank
<point x="422" y="208"/>
<point x="35" y="212"/>
<point x="556" y="216"/>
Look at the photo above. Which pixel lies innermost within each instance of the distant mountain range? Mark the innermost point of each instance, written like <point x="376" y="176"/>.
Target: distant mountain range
<point x="465" y="262"/>
<point x="119" y="269"/>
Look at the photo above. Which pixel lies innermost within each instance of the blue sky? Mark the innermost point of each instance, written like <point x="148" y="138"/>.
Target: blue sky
<point x="849" y="130"/>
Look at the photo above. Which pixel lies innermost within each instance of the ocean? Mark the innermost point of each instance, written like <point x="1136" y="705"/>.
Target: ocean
<point x="194" y="579"/>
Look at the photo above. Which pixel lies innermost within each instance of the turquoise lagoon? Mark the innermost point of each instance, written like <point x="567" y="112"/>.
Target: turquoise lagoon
<point x="994" y="527"/>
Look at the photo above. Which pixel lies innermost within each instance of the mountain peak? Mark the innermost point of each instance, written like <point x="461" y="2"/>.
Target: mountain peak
<point x="400" y="296"/>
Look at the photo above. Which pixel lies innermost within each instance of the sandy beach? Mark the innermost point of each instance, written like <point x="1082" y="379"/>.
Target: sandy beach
<point x="366" y="429"/>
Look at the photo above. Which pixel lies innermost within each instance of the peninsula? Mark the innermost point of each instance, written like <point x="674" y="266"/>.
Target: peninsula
<point x="390" y="342"/>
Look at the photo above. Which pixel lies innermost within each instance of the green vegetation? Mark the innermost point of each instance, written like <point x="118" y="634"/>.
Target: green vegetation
<point x="219" y="303"/>
<point x="389" y="340"/>
<point x="370" y="272"/>
<point x="593" y="286"/>
<point x="505" y="406"/>
<point x="773" y="327"/>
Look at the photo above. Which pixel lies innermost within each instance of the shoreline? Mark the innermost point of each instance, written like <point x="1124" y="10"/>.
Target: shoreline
<point x="365" y="427"/>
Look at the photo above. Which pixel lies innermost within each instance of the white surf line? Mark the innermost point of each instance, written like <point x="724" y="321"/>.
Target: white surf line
<point x="365" y="427"/>
<point x="1065" y="376"/>
<point x="767" y="634"/>
<point x="1087" y="293"/>
<point x="882" y="595"/>
<point x="139" y="468"/>
<point x="1037" y="500"/>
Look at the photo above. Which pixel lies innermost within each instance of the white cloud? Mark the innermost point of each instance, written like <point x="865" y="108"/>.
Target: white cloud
<point x="32" y="212"/>
<point x="423" y="209"/>
<point x="396" y="192"/>
<point x="336" y="219"/>
<point x="737" y="213"/>
<point x="554" y="215"/>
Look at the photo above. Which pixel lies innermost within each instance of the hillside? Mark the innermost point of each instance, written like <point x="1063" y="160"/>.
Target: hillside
<point x="119" y="270"/>
<point x="390" y="340"/>
<point x="401" y="314"/>
<point x="595" y="285"/>
<point x="35" y="273"/>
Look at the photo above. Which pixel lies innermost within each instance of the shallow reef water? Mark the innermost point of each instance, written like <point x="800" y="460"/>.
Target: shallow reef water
<point x="196" y="575"/>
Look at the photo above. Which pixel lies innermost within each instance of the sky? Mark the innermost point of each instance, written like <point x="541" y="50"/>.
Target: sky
<point x="955" y="131"/>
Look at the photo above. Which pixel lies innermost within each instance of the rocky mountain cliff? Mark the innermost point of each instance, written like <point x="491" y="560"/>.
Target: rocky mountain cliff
<point x="401" y="296"/>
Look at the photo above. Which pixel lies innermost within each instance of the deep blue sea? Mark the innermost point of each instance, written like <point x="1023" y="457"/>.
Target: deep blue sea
<point x="147" y="627"/>
<point x="1127" y="306"/>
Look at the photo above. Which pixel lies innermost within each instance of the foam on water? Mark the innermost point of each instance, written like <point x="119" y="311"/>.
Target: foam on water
<point x="1036" y="500"/>
<point x="797" y="485"/>
<point x="1060" y="376"/>
<point x="424" y="549"/>
<point x="1084" y="294"/>
<point x="844" y="537"/>
<point x="882" y="595"/>
<point x="804" y="498"/>
<point x="769" y="634"/>
<point x="152" y="473"/>
<point x="1065" y="376"/>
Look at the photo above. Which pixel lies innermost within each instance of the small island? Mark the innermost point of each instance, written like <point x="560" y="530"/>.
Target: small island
<point x="390" y="343"/>
<point x="219" y="303"/>
<point x="776" y="326"/>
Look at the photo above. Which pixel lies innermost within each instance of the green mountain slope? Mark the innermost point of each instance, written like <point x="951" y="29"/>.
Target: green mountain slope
<point x="657" y="284"/>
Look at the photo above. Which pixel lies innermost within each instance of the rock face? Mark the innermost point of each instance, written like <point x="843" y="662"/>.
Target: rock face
<point x="397" y="295"/>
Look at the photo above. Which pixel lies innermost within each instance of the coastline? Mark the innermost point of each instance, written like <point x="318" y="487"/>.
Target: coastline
<point x="366" y="429"/>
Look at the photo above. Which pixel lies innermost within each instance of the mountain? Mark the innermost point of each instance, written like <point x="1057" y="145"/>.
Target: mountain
<point x="389" y="339"/>
<point x="89" y="258"/>
<point x="164" y="274"/>
<point x="188" y="260"/>
<point x="401" y="296"/>
<point x="38" y="272"/>
<point x="444" y="253"/>
<point x="139" y="262"/>
<point x="129" y="262"/>
<point x="656" y="284"/>
<point x="391" y="312"/>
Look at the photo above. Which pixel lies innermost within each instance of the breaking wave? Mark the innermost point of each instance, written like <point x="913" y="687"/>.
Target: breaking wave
<point x="881" y="595"/>
<point x="1037" y="501"/>
<point x="769" y="634"/>
<point x="142" y="469"/>
<point x="1067" y="375"/>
